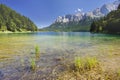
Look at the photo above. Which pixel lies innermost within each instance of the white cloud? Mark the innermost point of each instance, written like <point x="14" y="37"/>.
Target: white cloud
<point x="79" y="10"/>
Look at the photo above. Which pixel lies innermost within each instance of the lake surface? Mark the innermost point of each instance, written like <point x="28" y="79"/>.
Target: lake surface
<point x="53" y="45"/>
<point x="57" y="42"/>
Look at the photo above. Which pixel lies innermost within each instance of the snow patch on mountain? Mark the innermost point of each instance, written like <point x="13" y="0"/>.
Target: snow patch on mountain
<point x="97" y="13"/>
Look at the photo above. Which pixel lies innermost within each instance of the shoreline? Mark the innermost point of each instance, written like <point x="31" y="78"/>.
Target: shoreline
<point x="6" y="32"/>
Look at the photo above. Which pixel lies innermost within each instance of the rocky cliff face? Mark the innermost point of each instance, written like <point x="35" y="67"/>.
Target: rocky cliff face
<point x="69" y="18"/>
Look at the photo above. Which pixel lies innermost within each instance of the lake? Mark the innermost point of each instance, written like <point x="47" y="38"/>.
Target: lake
<point x="15" y="47"/>
<point x="57" y="42"/>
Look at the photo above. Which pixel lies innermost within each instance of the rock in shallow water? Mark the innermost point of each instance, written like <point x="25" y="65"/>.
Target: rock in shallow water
<point x="1" y="75"/>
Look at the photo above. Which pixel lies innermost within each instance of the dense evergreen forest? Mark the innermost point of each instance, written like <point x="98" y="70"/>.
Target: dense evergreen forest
<point x="10" y="20"/>
<point x="108" y="24"/>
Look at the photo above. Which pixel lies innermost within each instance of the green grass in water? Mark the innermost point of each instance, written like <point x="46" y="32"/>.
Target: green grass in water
<point x="79" y="63"/>
<point x="87" y="63"/>
<point x="33" y="64"/>
<point x="91" y="62"/>
<point x="37" y="51"/>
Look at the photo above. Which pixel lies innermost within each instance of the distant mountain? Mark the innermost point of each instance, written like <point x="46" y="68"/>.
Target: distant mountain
<point x="81" y="21"/>
<point x="10" y="20"/>
<point x="108" y="24"/>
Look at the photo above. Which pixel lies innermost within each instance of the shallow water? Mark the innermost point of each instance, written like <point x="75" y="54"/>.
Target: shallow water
<point x="81" y="43"/>
<point x="20" y="43"/>
<point x="16" y="46"/>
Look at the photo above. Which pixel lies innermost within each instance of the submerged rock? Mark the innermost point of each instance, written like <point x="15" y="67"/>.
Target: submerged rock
<point x="1" y="75"/>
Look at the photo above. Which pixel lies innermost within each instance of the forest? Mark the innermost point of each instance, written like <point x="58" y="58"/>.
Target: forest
<point x="12" y="21"/>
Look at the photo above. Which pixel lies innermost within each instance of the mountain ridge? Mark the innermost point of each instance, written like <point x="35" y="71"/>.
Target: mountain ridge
<point x="81" y="20"/>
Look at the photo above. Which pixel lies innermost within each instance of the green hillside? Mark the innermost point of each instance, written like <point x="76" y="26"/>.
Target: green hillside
<point x="83" y="25"/>
<point x="10" y="20"/>
<point x="67" y="27"/>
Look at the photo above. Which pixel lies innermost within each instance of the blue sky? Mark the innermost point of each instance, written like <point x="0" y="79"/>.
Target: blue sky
<point x="44" y="12"/>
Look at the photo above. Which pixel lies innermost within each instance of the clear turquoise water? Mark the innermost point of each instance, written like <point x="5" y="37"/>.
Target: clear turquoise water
<point x="58" y="42"/>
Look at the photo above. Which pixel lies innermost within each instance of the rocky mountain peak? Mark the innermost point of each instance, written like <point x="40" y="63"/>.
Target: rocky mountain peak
<point x="106" y="8"/>
<point x="97" y="13"/>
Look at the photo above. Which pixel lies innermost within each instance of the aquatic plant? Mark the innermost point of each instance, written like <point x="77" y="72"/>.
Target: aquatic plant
<point x="84" y="68"/>
<point x="33" y="64"/>
<point x="91" y="62"/>
<point x="82" y="64"/>
<point x="79" y="64"/>
<point x="37" y="51"/>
